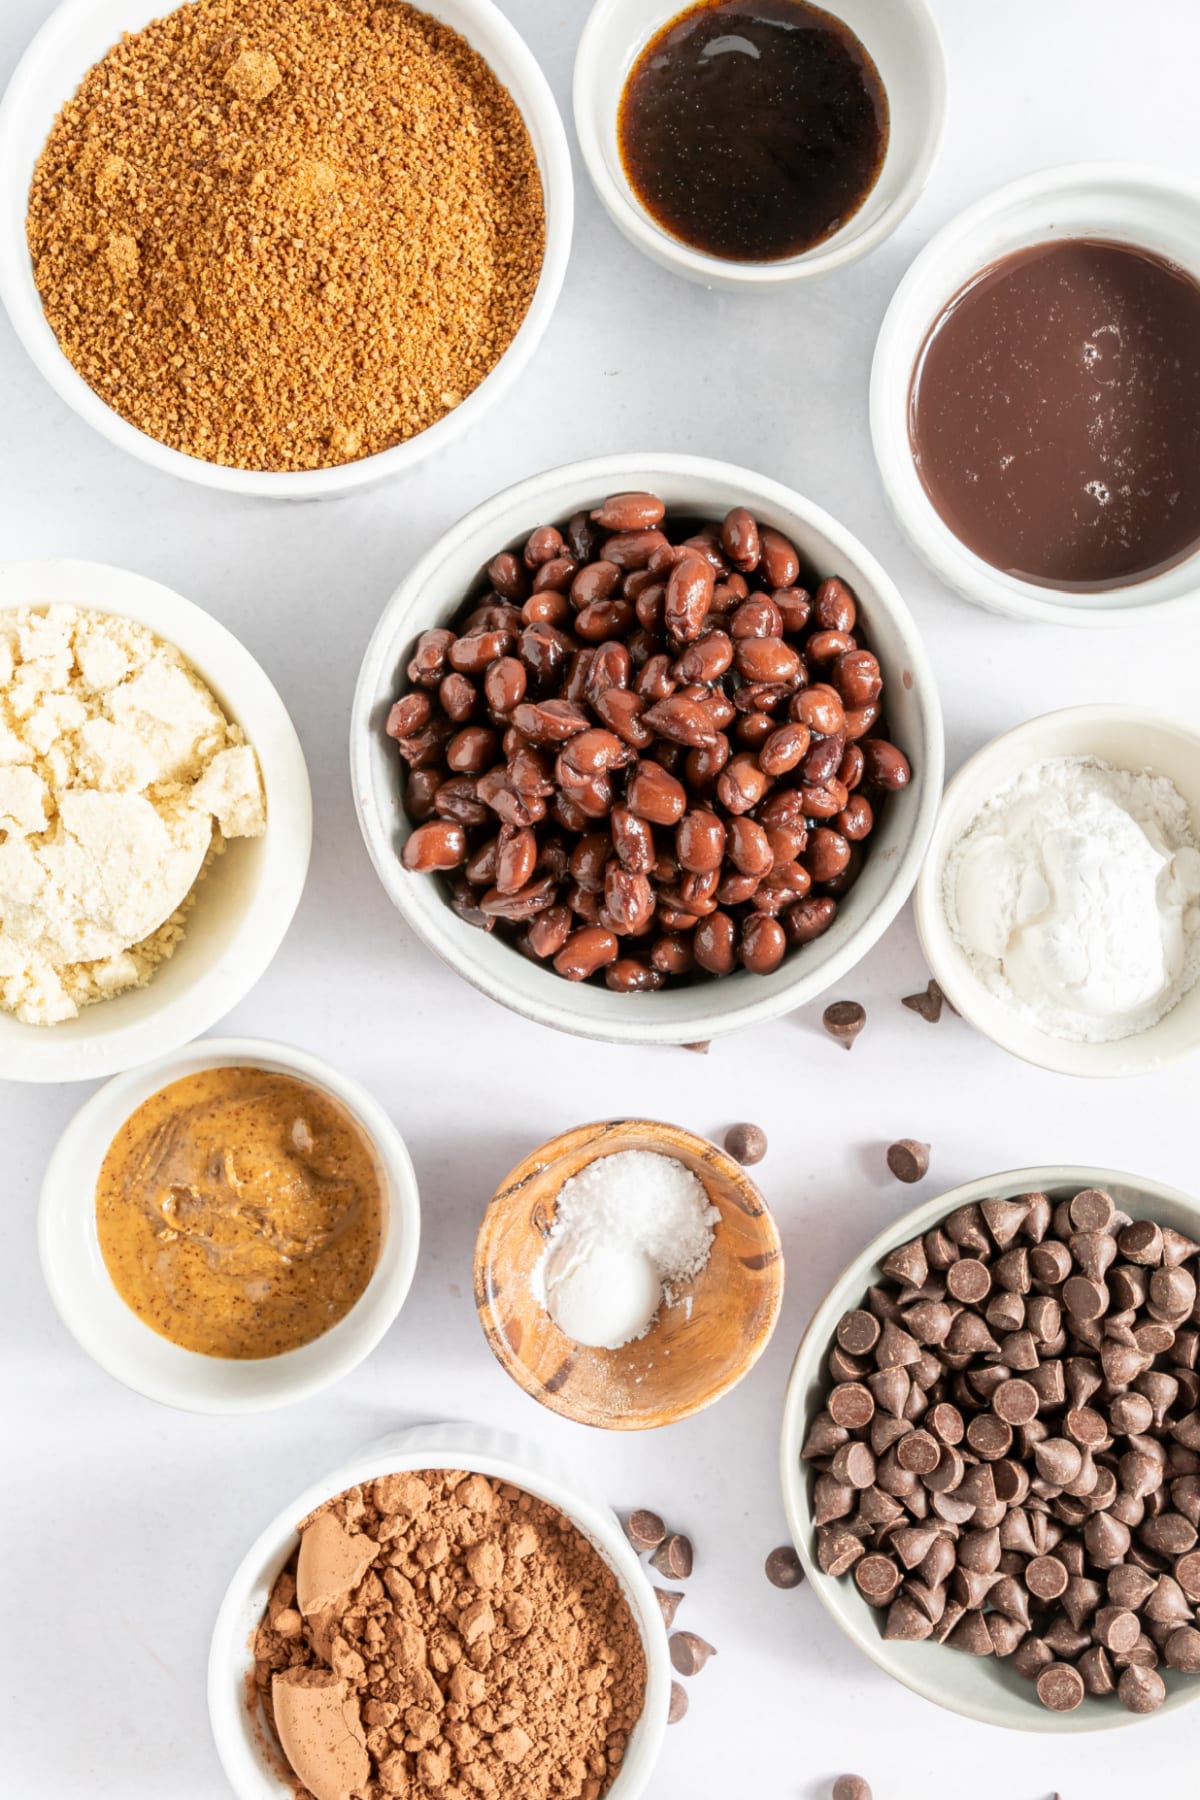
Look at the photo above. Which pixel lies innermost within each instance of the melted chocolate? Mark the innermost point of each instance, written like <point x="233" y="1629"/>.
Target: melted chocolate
<point x="753" y="129"/>
<point x="1055" y="414"/>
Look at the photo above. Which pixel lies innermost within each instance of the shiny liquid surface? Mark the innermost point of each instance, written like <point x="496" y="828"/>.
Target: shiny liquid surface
<point x="1054" y="414"/>
<point x="753" y="129"/>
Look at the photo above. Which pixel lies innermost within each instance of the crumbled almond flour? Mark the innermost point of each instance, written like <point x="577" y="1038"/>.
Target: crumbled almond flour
<point x="120" y="780"/>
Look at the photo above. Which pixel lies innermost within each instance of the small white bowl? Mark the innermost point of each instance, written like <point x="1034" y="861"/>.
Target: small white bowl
<point x="76" y="36"/>
<point x="983" y="1688"/>
<point x="1128" y="739"/>
<point x="113" y="1336"/>
<point x="1122" y="203"/>
<point x="902" y="40"/>
<point x="249" y="895"/>
<point x="432" y="593"/>
<point x="243" y="1737"/>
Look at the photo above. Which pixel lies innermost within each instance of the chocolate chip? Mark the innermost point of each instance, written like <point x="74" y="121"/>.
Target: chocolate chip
<point x="1141" y="1690"/>
<point x="784" y="1568"/>
<point x="1060" y="1687"/>
<point x="645" y="1530"/>
<point x="843" y="1020"/>
<point x="747" y="1144"/>
<point x="850" y="1787"/>
<point x="928" y="1004"/>
<point x="678" y="1705"/>
<point x="701" y="1049"/>
<point x="908" y="1159"/>
<point x="673" y="1558"/>
<point x="668" y="1604"/>
<point x="689" y="1653"/>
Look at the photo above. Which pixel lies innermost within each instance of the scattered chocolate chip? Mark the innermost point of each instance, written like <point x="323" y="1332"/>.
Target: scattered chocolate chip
<point x="784" y="1568"/>
<point x="908" y="1159"/>
<point x="843" y="1021"/>
<point x="928" y="1004"/>
<point x="679" y="1703"/>
<point x="673" y="1558"/>
<point x="668" y="1604"/>
<point x="746" y="1143"/>
<point x="644" y="1529"/>
<point x="851" y="1787"/>
<point x="701" y="1049"/>
<point x="689" y="1653"/>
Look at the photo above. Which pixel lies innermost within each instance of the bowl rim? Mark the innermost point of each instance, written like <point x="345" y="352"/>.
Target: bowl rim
<point x="697" y="265"/>
<point x="1031" y="1045"/>
<point x="223" y="663"/>
<point x="65" y="1203"/>
<point x="1042" y="1177"/>
<point x="493" y="517"/>
<point x="476" y="1449"/>
<point x="952" y="562"/>
<point x="21" y="301"/>
<point x="544" y="1156"/>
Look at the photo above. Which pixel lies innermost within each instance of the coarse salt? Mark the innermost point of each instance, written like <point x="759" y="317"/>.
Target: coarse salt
<point x="629" y="1230"/>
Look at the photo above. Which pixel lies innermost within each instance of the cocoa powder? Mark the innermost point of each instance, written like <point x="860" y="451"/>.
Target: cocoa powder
<point x="286" y="234"/>
<point x="441" y="1635"/>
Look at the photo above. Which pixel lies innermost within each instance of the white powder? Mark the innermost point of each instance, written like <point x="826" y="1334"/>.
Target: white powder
<point x="628" y="1230"/>
<point x="1075" y="894"/>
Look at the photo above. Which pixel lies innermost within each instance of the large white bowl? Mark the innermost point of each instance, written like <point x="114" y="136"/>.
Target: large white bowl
<point x="78" y="35"/>
<point x="983" y="1688"/>
<point x="902" y="40"/>
<point x="1129" y="205"/>
<point x="434" y="591"/>
<point x="1129" y="739"/>
<point x="242" y="1737"/>
<point x="247" y="899"/>
<point x="101" y="1323"/>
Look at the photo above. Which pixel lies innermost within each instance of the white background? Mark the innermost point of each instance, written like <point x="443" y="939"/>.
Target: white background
<point x="123" y="1521"/>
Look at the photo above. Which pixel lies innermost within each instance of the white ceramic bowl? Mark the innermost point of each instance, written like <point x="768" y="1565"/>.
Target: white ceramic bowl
<point x="986" y="1689"/>
<point x="113" y="1335"/>
<point x="433" y="592"/>
<point x="77" y="35"/>
<point x="902" y="40"/>
<point x="242" y="1737"/>
<point x="1130" y="205"/>
<point x="248" y="897"/>
<point x="1127" y="738"/>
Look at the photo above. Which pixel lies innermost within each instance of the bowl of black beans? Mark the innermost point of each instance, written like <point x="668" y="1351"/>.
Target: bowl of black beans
<point x="648" y="749"/>
<point x="991" y="1447"/>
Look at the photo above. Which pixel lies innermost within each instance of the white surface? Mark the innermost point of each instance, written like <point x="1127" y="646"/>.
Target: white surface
<point x="250" y="893"/>
<point x="903" y="43"/>
<point x="494" y="1453"/>
<point x="985" y="1688"/>
<point x="93" y="1311"/>
<point x="681" y="1015"/>
<point x="1128" y="737"/>
<point x="79" y="32"/>
<point x="1135" y="204"/>
<point x="123" y="1522"/>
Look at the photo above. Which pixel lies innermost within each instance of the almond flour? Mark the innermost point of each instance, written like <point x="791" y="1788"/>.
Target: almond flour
<point x="287" y="234"/>
<point x="120" y="779"/>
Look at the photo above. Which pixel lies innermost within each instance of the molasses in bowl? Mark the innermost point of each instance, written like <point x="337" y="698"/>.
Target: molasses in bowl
<point x="756" y="145"/>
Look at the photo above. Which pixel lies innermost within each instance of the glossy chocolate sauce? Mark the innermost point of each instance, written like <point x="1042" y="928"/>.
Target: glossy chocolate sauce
<point x="753" y="129"/>
<point x="1054" y="414"/>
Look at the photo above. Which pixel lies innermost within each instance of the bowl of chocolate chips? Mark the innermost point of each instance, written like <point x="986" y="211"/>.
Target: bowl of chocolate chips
<point x="648" y="749"/>
<point x="991" y="1446"/>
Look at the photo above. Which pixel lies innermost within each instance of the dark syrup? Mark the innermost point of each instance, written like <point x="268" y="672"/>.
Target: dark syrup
<point x="753" y="129"/>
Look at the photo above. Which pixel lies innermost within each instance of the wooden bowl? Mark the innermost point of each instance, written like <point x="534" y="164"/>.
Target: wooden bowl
<point x="692" y="1354"/>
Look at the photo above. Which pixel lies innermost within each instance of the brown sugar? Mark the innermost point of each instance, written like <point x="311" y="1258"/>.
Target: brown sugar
<point x="463" y="1633"/>
<point x="286" y="234"/>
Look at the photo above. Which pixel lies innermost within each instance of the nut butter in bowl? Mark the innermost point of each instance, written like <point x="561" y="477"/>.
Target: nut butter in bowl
<point x="231" y="1228"/>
